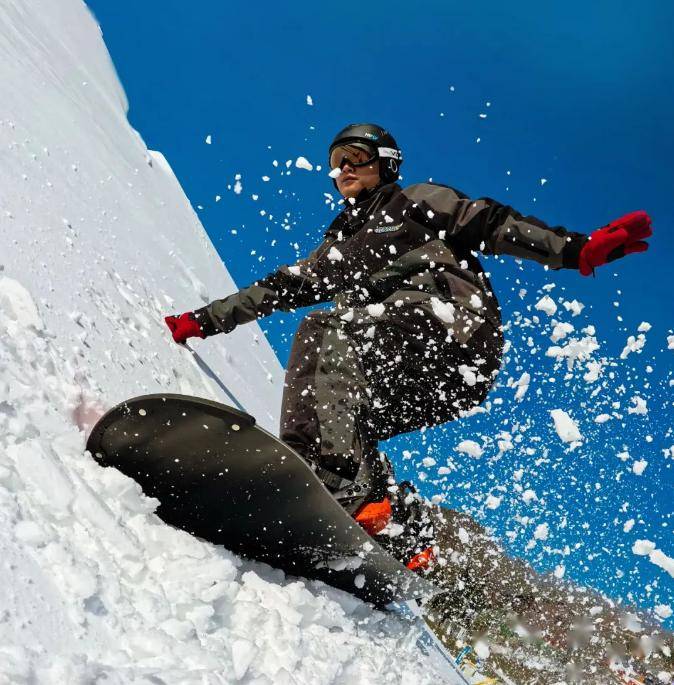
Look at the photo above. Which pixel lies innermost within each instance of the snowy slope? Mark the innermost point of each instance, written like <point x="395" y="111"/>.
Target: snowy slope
<point x="97" y="228"/>
<point x="98" y="243"/>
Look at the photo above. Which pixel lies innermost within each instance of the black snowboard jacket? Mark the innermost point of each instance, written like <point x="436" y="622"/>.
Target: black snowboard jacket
<point x="416" y="245"/>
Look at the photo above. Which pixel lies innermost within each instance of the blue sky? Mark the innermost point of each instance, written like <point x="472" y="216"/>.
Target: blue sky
<point x="581" y="95"/>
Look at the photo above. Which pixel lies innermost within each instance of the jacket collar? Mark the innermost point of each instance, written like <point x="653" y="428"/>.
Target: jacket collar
<point x="368" y="194"/>
<point x="368" y="201"/>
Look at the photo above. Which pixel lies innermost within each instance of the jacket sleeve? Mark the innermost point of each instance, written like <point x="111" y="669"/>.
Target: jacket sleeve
<point x="494" y="228"/>
<point x="288" y="288"/>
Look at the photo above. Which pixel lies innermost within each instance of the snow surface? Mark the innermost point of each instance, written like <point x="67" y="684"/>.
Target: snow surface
<point x="98" y="244"/>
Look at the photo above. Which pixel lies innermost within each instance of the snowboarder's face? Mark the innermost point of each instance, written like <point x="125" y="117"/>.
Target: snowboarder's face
<point x="355" y="174"/>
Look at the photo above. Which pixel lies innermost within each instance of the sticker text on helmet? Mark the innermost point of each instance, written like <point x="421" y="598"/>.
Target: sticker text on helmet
<point x="389" y="152"/>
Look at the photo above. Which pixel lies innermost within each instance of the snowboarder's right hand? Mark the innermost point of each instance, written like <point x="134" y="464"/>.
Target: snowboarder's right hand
<point x="183" y="327"/>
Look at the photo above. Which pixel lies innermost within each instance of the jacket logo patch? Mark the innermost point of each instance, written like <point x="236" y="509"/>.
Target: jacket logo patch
<point x="388" y="229"/>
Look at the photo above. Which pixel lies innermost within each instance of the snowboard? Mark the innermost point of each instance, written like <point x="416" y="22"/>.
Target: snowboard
<point x="221" y="477"/>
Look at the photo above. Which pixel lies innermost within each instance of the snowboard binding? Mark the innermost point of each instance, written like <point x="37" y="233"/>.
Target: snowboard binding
<point x="392" y="513"/>
<point x="412" y="534"/>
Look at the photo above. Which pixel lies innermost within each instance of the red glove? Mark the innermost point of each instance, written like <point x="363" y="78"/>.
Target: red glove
<point x="621" y="237"/>
<point x="183" y="327"/>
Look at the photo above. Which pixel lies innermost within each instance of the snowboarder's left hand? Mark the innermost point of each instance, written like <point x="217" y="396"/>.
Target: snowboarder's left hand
<point x="183" y="327"/>
<point x="621" y="237"/>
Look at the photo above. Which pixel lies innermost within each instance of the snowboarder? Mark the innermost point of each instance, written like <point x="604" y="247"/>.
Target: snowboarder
<point x="414" y="338"/>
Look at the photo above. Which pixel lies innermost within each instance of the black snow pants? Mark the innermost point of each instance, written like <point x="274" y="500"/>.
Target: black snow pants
<point x="358" y="376"/>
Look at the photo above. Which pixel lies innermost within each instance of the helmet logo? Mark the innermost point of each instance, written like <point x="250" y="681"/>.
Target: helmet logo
<point x="389" y="152"/>
<point x="371" y="136"/>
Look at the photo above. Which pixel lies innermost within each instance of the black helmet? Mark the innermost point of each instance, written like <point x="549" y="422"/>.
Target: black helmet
<point x="380" y="141"/>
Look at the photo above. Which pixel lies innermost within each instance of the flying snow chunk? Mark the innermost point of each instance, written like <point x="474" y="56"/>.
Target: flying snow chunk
<point x="670" y="342"/>
<point x="310" y="101"/>
<point x="443" y="310"/>
<point x="335" y="173"/>
<point x="468" y="374"/>
<point x="638" y="467"/>
<point x="522" y="385"/>
<point x="659" y="558"/>
<point x="633" y="345"/>
<point x="546" y="304"/>
<point x="574" y="307"/>
<point x="574" y="350"/>
<point x="505" y="443"/>
<point x="208" y="139"/>
<point x="471" y="448"/>
<point x="335" y="255"/>
<point x="565" y="426"/>
<point x="304" y="163"/>
<point x="646" y="548"/>
<point x="663" y="610"/>
<point x="644" y="327"/>
<point x="376" y="310"/>
<point x="593" y="371"/>
<point x="639" y="408"/>
<point x="238" y="187"/>
<point x="560" y="331"/>
<point x="542" y="531"/>
<point x="493" y="502"/>
<point x="529" y="496"/>
<point x="643" y="547"/>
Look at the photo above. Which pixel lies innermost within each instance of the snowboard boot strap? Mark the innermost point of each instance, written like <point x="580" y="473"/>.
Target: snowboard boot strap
<point x="357" y="491"/>
<point x="365" y="496"/>
<point x="370" y="485"/>
<point x="332" y="481"/>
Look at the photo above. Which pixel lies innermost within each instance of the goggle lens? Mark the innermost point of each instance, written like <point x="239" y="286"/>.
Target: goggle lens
<point x="354" y="154"/>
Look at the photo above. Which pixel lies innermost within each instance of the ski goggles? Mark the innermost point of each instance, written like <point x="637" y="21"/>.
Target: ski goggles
<point x="360" y="154"/>
<point x="354" y="154"/>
